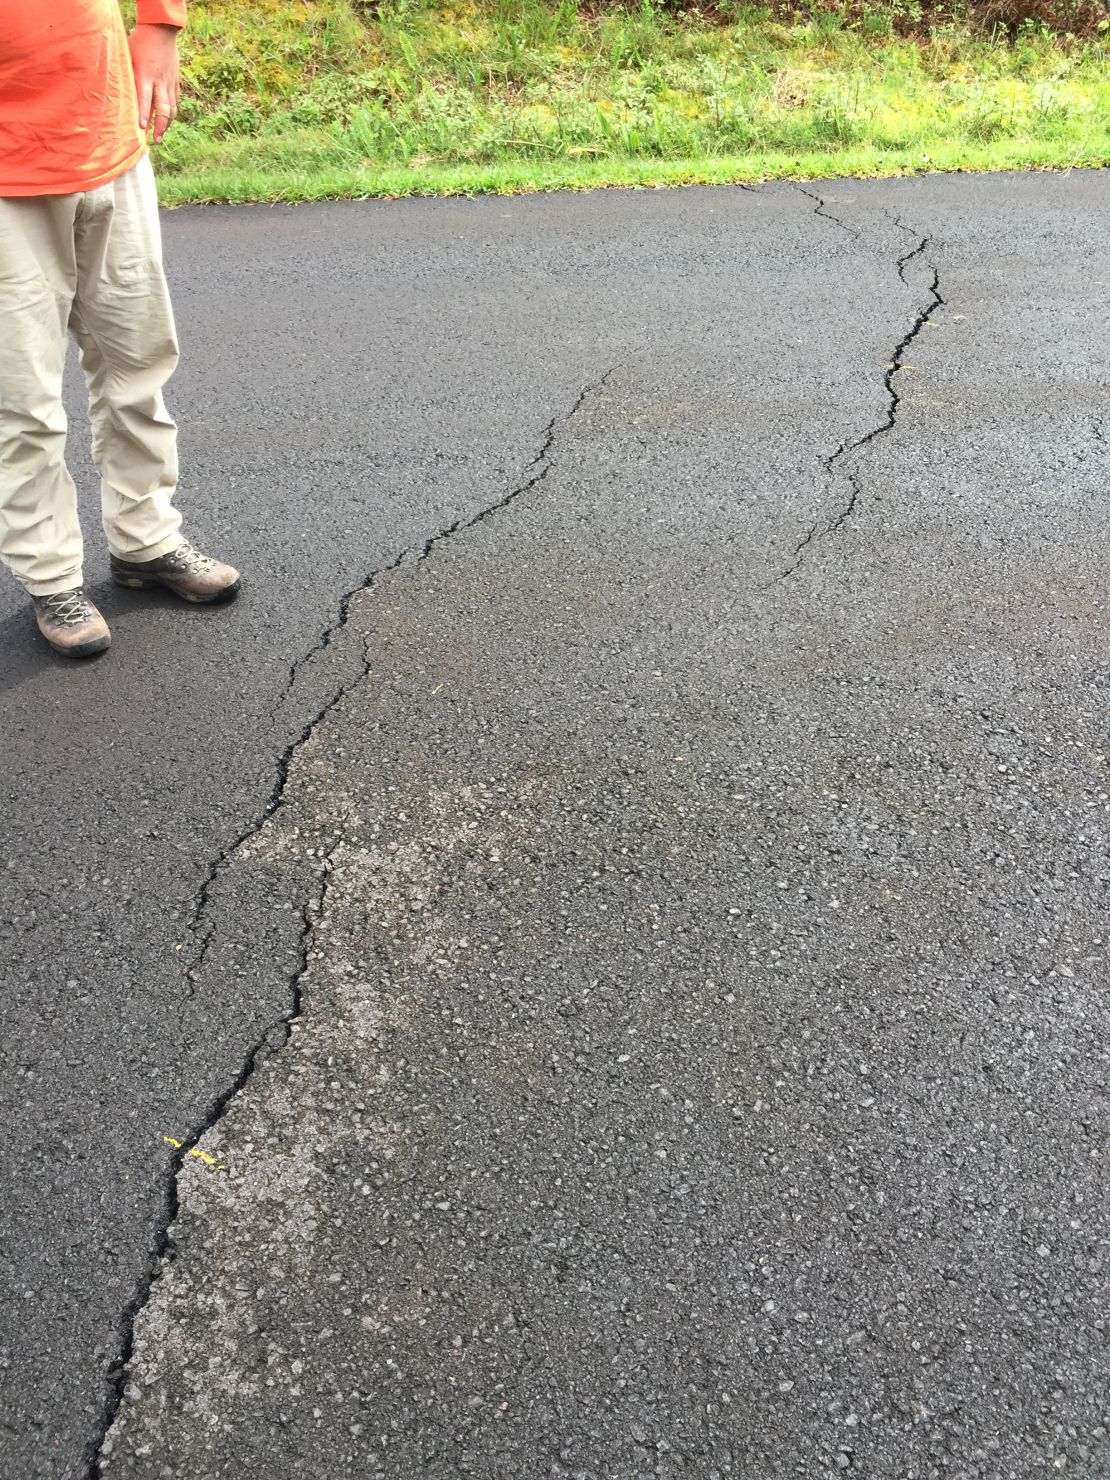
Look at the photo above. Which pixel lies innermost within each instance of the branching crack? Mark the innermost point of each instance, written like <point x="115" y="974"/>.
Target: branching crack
<point x="277" y="1034"/>
<point x="909" y="256"/>
<point x="895" y="365"/>
<point x="197" y="924"/>
<point x="271" y="1041"/>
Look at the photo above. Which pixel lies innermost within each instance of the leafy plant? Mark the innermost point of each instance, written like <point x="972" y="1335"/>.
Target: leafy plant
<point x="310" y="88"/>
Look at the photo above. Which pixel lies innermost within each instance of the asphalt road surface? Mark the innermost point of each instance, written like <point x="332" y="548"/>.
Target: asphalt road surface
<point x="596" y="966"/>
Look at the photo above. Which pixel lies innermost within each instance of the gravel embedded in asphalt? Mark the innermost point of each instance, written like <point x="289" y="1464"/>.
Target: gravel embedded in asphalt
<point x="696" y="908"/>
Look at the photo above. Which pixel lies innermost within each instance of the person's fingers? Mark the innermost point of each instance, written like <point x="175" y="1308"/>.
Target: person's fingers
<point x="163" y="110"/>
<point x="145" y="90"/>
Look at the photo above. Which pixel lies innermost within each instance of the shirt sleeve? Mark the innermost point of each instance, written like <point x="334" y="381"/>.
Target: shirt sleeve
<point x="161" y="13"/>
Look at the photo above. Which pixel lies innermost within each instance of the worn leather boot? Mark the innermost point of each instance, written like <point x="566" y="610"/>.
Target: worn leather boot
<point x="184" y="571"/>
<point x="71" y="624"/>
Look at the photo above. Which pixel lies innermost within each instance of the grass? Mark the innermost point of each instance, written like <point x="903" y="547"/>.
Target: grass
<point x="306" y="99"/>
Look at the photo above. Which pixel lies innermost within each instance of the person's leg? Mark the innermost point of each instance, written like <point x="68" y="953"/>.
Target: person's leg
<point x="40" y="538"/>
<point x="123" y="322"/>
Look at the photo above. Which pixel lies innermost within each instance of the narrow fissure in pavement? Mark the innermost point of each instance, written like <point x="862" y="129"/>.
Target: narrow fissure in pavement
<point x="896" y="363"/>
<point x="117" y="1375"/>
<point x="312" y="911"/>
<point x="819" y="210"/>
<point x="535" y="472"/>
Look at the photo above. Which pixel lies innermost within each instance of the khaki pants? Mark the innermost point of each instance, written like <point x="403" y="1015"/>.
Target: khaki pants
<point x="90" y="264"/>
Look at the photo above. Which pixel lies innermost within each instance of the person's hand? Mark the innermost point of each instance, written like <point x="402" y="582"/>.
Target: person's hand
<point x="157" y="76"/>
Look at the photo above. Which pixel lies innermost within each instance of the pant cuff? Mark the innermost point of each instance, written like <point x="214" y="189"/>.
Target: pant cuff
<point x="54" y="588"/>
<point x="149" y="552"/>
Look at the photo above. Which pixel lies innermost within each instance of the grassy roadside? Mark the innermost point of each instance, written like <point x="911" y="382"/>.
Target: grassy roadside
<point x="306" y="99"/>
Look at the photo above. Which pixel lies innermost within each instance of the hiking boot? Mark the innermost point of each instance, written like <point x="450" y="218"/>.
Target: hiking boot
<point x="184" y="571"/>
<point x="71" y="624"/>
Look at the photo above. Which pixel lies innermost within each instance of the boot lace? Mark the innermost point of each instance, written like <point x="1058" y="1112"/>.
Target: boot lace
<point x="69" y="608"/>
<point x="190" y="560"/>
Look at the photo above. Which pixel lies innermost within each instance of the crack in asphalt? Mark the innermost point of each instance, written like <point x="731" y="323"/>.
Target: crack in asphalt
<point x="819" y="210"/>
<point x="312" y="911"/>
<point x="909" y="256"/>
<point x="535" y="472"/>
<point x="895" y="365"/>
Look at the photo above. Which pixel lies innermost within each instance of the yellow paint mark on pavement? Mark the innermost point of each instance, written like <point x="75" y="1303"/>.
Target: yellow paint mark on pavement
<point x="195" y="1151"/>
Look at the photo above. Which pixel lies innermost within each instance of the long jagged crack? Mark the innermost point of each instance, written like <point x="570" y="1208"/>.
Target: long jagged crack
<point x="278" y="1032"/>
<point x="275" y="1037"/>
<point x="536" y="471"/>
<point x="831" y="525"/>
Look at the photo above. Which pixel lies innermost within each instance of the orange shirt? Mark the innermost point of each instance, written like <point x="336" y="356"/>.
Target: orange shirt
<point x="69" y="120"/>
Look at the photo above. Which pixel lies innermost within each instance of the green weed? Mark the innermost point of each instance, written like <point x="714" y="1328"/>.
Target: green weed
<point x="307" y="91"/>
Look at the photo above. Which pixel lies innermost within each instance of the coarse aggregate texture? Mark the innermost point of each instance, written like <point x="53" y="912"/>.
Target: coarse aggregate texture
<point x="629" y="940"/>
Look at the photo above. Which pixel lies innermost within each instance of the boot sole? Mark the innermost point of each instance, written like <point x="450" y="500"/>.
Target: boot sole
<point x="84" y="649"/>
<point x="140" y="583"/>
